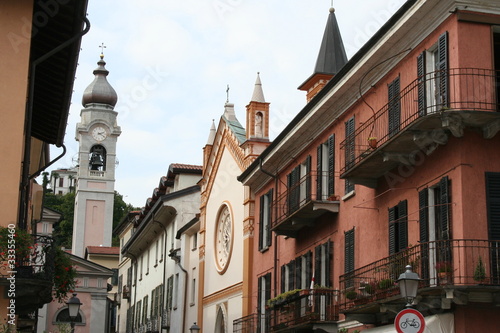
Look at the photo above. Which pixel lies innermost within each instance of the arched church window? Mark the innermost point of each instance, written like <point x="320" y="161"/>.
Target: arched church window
<point x="97" y="158"/>
<point x="220" y="323"/>
<point x="258" y="124"/>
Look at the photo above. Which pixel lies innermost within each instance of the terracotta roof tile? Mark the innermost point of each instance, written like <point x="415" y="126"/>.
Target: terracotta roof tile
<point x="103" y="250"/>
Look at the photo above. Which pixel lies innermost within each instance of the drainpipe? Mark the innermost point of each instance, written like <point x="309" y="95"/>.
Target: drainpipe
<point x="177" y="258"/>
<point x="23" y="207"/>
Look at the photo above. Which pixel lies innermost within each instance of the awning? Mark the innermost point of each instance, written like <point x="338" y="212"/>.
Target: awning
<point x="440" y="323"/>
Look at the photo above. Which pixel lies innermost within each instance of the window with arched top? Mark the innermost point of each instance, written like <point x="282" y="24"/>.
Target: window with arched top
<point x="97" y="158"/>
<point x="220" y="322"/>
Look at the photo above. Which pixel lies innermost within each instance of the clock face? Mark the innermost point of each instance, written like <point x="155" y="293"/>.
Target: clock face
<point x="223" y="239"/>
<point x="99" y="133"/>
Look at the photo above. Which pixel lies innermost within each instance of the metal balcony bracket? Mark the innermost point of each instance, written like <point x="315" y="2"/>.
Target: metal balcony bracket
<point x="454" y="123"/>
<point x="331" y="206"/>
<point x="429" y="140"/>
<point x="491" y="129"/>
<point x="403" y="158"/>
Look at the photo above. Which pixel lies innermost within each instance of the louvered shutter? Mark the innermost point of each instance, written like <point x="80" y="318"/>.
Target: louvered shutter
<point x="422" y="98"/>
<point x="349" y="251"/>
<point x="309" y="268"/>
<point x="283" y="278"/>
<point x="423" y="213"/>
<point x="442" y="66"/>
<point x="402" y="225"/>
<point x="331" y="165"/>
<point x="493" y="211"/>
<point x="298" y="272"/>
<point x="319" y="168"/>
<point x="392" y="230"/>
<point x="291" y="279"/>
<point x="268" y="286"/>
<point x="317" y="265"/>
<point x="349" y="143"/>
<point x="260" y="285"/>
<point x="394" y="106"/>
<point x="269" y="217"/>
<point x="444" y="208"/>
<point x="308" y="178"/>
<point x="262" y="225"/>
<point x="493" y="204"/>
<point x="329" y="263"/>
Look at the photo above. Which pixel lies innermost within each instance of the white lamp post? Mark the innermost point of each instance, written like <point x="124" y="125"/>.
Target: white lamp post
<point x="408" y="285"/>
<point x="73" y="309"/>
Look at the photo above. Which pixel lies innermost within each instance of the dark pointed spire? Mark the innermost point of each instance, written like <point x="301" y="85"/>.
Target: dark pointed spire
<point x="332" y="56"/>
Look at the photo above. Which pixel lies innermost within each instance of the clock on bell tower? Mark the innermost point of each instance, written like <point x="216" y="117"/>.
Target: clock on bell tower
<point x="97" y="134"/>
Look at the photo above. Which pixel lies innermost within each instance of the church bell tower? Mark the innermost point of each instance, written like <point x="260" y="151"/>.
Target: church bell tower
<point x="97" y="134"/>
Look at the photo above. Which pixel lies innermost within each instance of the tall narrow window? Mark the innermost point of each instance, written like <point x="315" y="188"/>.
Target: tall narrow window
<point x="265" y="220"/>
<point x="303" y="271"/>
<point x="394" y="107"/>
<point x="299" y="185"/>
<point x="263" y="295"/>
<point x="398" y="227"/>
<point x="170" y="290"/>
<point x="323" y="263"/>
<point x="326" y="169"/>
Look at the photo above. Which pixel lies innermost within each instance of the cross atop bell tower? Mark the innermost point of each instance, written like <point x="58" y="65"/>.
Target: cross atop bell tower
<point x="97" y="134"/>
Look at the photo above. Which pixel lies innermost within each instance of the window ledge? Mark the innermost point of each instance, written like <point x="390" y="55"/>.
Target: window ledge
<point x="349" y="195"/>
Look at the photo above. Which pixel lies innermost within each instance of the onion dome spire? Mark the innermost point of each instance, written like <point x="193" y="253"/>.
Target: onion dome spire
<point x="100" y="91"/>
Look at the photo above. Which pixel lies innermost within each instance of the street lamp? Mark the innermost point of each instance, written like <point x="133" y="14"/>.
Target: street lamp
<point x="194" y="328"/>
<point x="73" y="309"/>
<point x="408" y="285"/>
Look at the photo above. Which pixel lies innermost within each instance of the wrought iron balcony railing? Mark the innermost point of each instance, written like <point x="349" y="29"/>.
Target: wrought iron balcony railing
<point x="254" y="323"/>
<point x="304" y="309"/>
<point x="457" y="89"/>
<point x="301" y="201"/>
<point x="457" y="263"/>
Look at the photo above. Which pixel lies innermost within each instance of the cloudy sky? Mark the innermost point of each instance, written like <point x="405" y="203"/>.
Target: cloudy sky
<point x="171" y="61"/>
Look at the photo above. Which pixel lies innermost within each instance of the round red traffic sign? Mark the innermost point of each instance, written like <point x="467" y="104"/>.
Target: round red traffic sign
<point x="409" y="321"/>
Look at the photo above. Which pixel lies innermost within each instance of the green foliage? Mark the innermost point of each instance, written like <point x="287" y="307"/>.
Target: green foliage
<point x="351" y="295"/>
<point x="480" y="271"/>
<point x="20" y="239"/>
<point x="386" y="284"/>
<point x="65" y="204"/>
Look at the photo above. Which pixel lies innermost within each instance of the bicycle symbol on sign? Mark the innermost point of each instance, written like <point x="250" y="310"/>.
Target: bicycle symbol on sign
<point x="408" y="322"/>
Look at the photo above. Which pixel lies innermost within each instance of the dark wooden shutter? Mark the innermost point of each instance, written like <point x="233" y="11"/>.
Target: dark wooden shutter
<point x="331" y="165"/>
<point x="268" y="286"/>
<point x="349" y="143"/>
<point x="298" y="272"/>
<point x="444" y="208"/>
<point x="423" y="213"/>
<point x="260" y="285"/>
<point x="283" y="278"/>
<point x="291" y="271"/>
<point x="422" y="94"/>
<point x="293" y="189"/>
<point x="493" y="205"/>
<point x="319" y="169"/>
<point x="493" y="213"/>
<point x="329" y="263"/>
<point x="402" y="225"/>
<point x="442" y="66"/>
<point x="349" y="251"/>
<point x="317" y="265"/>
<point x="261" y="222"/>
<point x="392" y="230"/>
<point x="308" y="178"/>
<point x="309" y="269"/>
<point x="269" y="217"/>
<point x="394" y="106"/>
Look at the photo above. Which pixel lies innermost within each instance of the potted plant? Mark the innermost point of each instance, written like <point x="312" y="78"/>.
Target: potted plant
<point x="480" y="271"/>
<point x="444" y="270"/>
<point x="351" y="295"/>
<point x="372" y="142"/>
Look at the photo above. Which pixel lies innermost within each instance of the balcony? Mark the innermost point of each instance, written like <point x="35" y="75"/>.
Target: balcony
<point x="304" y="310"/>
<point x="33" y="275"/>
<point x="425" y="117"/>
<point x="301" y="205"/>
<point x="451" y="272"/>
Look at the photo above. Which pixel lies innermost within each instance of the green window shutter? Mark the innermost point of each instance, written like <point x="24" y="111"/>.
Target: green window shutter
<point x="291" y="276"/>
<point x="349" y="251"/>
<point x="317" y="264"/>
<point x="319" y="169"/>
<point x="308" y="178"/>
<point x="493" y="204"/>
<point x="283" y="278"/>
<point x="261" y="222"/>
<point x="392" y="230"/>
<point x="269" y="217"/>
<point x="442" y="66"/>
<point x="394" y="111"/>
<point x="331" y="165"/>
<point x="423" y="213"/>
<point x="422" y="98"/>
